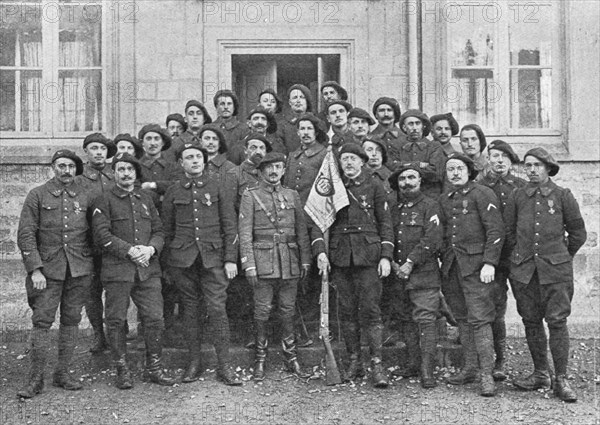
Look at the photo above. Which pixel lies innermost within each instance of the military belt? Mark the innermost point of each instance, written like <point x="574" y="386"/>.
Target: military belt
<point x="276" y="238"/>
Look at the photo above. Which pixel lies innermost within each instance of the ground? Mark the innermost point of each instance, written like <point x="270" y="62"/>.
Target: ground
<point x="284" y="399"/>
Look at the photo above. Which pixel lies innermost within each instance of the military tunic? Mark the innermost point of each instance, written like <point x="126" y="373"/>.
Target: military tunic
<point x="302" y="168"/>
<point x="186" y="137"/>
<point x="393" y="139"/>
<point x="429" y="157"/>
<point x="232" y="129"/>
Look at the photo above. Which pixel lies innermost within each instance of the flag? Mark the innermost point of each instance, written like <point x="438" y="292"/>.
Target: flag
<point x="327" y="195"/>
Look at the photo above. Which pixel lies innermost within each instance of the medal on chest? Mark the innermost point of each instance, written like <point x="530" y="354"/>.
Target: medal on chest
<point x="551" y="205"/>
<point x="146" y="210"/>
<point x="413" y="217"/>
<point x="363" y="201"/>
<point x="76" y="207"/>
<point x="465" y="204"/>
<point x="208" y="201"/>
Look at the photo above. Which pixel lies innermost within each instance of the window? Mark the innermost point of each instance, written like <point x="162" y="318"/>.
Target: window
<point x="51" y="67"/>
<point x="502" y="64"/>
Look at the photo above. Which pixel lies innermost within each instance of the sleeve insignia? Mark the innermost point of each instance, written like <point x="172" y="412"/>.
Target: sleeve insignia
<point x="435" y="219"/>
<point x="490" y="206"/>
<point x="97" y="211"/>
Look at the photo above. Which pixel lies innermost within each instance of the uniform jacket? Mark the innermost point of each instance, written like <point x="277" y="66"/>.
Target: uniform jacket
<point x="232" y="129"/>
<point x="275" y="242"/>
<point x="430" y="154"/>
<point x="338" y="139"/>
<point x="160" y="171"/>
<point x="237" y="153"/>
<point x="54" y="232"/>
<point x="362" y="233"/>
<point x="473" y="228"/>
<point x="393" y="139"/>
<point x="243" y="176"/>
<point x="382" y="174"/>
<point x="302" y="168"/>
<point x="218" y="167"/>
<point x="537" y="217"/>
<point x="288" y="131"/>
<point x="199" y="219"/>
<point x="97" y="181"/>
<point x="447" y="148"/>
<point x="186" y="137"/>
<point x="419" y="236"/>
<point x="120" y="220"/>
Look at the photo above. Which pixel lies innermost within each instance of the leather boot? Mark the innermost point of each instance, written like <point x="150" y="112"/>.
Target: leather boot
<point x="290" y="357"/>
<point x="99" y="343"/>
<point x="67" y="339"/>
<point x="355" y="368"/>
<point x="375" y="338"/>
<point x="40" y="341"/>
<point x="469" y="371"/>
<point x="378" y="375"/>
<point x="225" y="372"/>
<point x="485" y="352"/>
<point x="260" y="346"/>
<point x="124" y="378"/>
<point x="154" y="371"/>
<point x="118" y="348"/>
<point x="194" y="367"/>
<point x="499" y="332"/>
<point x="411" y="337"/>
<point x="540" y="378"/>
<point x="428" y="342"/>
<point x="563" y="390"/>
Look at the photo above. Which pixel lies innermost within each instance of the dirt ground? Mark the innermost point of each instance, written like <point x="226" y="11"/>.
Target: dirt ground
<point x="284" y="399"/>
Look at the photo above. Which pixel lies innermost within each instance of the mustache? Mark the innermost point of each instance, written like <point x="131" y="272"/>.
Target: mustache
<point x="66" y="175"/>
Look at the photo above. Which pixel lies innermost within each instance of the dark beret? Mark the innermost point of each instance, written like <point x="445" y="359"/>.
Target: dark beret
<point x="393" y="178"/>
<point x="305" y="91"/>
<point x="155" y="128"/>
<point x="320" y="129"/>
<point x="176" y="117"/>
<point x="271" y="158"/>
<point x="215" y="129"/>
<point x="137" y="146"/>
<point x="341" y="91"/>
<point x="65" y="153"/>
<point x="354" y="149"/>
<point x="277" y="98"/>
<point x="271" y="122"/>
<point x="381" y="144"/>
<point x="480" y="135"/>
<point x="361" y="113"/>
<point x="125" y="157"/>
<point x="468" y="162"/>
<point x="546" y="158"/>
<point x="345" y="104"/>
<point x="187" y="146"/>
<point x="227" y="93"/>
<point x="388" y="101"/>
<point x="501" y="145"/>
<point x="99" y="138"/>
<point x="448" y="117"/>
<point x="258" y="136"/>
<point x="199" y="105"/>
<point x="416" y="114"/>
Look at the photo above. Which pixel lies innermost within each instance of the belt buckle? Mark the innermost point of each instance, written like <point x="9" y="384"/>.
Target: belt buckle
<point x="276" y="238"/>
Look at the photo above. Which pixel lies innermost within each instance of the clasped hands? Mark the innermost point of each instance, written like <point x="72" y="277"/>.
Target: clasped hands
<point x="141" y="254"/>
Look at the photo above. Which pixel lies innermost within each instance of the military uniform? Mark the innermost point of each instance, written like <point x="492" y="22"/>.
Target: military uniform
<point x="54" y="237"/>
<point x="244" y="176"/>
<point x="382" y="175"/>
<point x="430" y="154"/>
<point x="233" y="130"/>
<point x="393" y="139"/>
<point x="162" y="172"/>
<point x="237" y="153"/>
<point x="218" y="167"/>
<point x="121" y="220"/>
<point x="274" y="242"/>
<point x="288" y="131"/>
<point x="186" y="137"/>
<point x="302" y="168"/>
<point x="339" y="138"/>
<point x="200" y="226"/>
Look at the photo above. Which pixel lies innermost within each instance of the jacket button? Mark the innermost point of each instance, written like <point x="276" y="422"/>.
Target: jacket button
<point x="197" y="239"/>
<point x="359" y="228"/>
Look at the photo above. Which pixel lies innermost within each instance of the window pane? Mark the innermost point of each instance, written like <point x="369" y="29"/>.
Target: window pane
<point x="80" y="105"/>
<point x="80" y="35"/>
<point x="472" y="34"/>
<point x="20" y="35"/>
<point x="530" y="34"/>
<point x="7" y="101"/>
<point x="473" y="96"/>
<point x="31" y="107"/>
<point x="531" y="98"/>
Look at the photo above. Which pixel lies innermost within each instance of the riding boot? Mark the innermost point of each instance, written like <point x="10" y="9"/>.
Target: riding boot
<point x="67" y="339"/>
<point x="538" y="347"/>
<point x="260" y="346"/>
<point x="40" y="341"/>
<point x="118" y="348"/>
<point x="194" y="367"/>
<point x="225" y="372"/>
<point x="428" y="342"/>
<point x="375" y="336"/>
<point x="499" y="332"/>
<point x="484" y="345"/>
<point x="99" y="344"/>
<point x="290" y="357"/>
<point x="559" y="347"/>
<point x="468" y="372"/>
<point x="355" y="368"/>
<point x="411" y="337"/>
<point x="154" y="371"/>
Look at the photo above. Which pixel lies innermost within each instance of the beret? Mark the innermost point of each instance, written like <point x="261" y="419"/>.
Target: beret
<point x="388" y="101"/>
<point x="354" y="149"/>
<point x="480" y="135"/>
<point x="137" y="146"/>
<point x="274" y="94"/>
<point x="155" y="128"/>
<point x="417" y="114"/>
<point x="320" y="131"/>
<point x="381" y="144"/>
<point x="99" y="138"/>
<point x="501" y="145"/>
<point x="306" y="93"/>
<point x="546" y="158"/>
<point x="448" y="117"/>
<point x="361" y="113"/>
<point x="271" y="158"/>
<point x="345" y="104"/>
<point x="199" y="105"/>
<point x="215" y="129"/>
<point x="176" y="117"/>
<point x="187" y="146"/>
<point x="227" y="93"/>
<point x="258" y="136"/>
<point x="341" y="91"/>
<point x="271" y="122"/>
<point x="125" y="157"/>
<point x="468" y="162"/>
<point x="393" y="178"/>
<point x="65" y="153"/>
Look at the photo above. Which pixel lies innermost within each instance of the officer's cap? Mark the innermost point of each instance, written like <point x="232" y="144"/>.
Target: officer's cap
<point x="271" y="158"/>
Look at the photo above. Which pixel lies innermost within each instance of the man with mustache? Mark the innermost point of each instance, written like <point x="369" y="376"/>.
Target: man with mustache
<point x="128" y="229"/>
<point x="473" y="239"/>
<point x="538" y="215"/>
<point x="337" y="116"/>
<point x="300" y="102"/>
<point x="275" y="253"/>
<point x="176" y="124"/>
<point x="97" y="177"/>
<point x="227" y="105"/>
<point x="473" y="143"/>
<point x="422" y="152"/>
<point x="418" y="241"/>
<point x="360" y="250"/>
<point x="387" y="113"/>
<point x="200" y="225"/>
<point x="196" y="116"/>
<point x="213" y="141"/>
<point x="360" y="122"/>
<point x="330" y="91"/>
<point x="502" y="181"/>
<point x="443" y="127"/>
<point x="54" y="240"/>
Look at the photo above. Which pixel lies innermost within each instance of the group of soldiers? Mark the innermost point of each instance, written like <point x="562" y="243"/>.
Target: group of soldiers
<point x="199" y="202"/>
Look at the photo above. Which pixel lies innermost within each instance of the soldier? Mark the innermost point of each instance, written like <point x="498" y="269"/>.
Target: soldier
<point x="300" y="103"/>
<point x="96" y="178"/>
<point x="263" y="122"/>
<point x="330" y="91"/>
<point x="361" y="248"/>
<point x="377" y="153"/>
<point x="473" y="143"/>
<point x="126" y="143"/>
<point x="176" y="124"/>
<point x="127" y="227"/>
<point x="418" y="241"/>
<point x="269" y="100"/>
<point x="502" y="181"/>
<point x="443" y="127"/>
<point x="360" y="122"/>
<point x="200" y="226"/>
<point x="196" y="116"/>
<point x="473" y="239"/>
<point x="227" y="105"/>
<point x="275" y="251"/>
<point x="53" y="237"/>
<point x="541" y="270"/>
<point x="421" y="152"/>
<point x="387" y="114"/>
<point x="304" y="163"/>
<point x="213" y="141"/>
<point x="337" y="116"/>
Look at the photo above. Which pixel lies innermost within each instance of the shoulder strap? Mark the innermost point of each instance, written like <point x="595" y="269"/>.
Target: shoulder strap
<point x="264" y="208"/>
